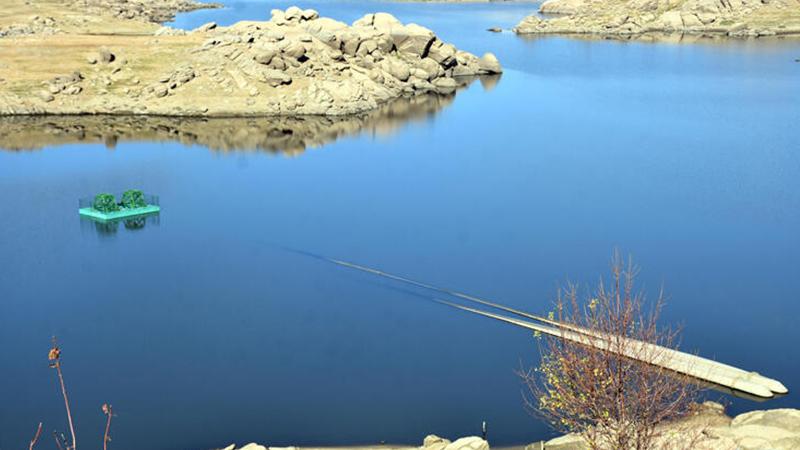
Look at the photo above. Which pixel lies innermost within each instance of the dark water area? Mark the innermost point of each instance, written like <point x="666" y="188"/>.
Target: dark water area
<point x="202" y="330"/>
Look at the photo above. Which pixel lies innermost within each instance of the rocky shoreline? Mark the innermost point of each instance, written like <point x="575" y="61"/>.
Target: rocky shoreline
<point x="296" y="63"/>
<point x="632" y="18"/>
<point x="144" y="10"/>
<point x="707" y="428"/>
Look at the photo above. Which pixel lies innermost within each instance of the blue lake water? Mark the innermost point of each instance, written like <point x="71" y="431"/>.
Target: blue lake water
<point x="202" y="331"/>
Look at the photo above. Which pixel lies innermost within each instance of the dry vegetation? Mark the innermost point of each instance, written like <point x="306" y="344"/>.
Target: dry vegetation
<point x="612" y="401"/>
<point x="54" y="356"/>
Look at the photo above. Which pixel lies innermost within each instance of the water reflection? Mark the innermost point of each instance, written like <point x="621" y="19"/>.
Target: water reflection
<point x="291" y="135"/>
<point x="109" y="228"/>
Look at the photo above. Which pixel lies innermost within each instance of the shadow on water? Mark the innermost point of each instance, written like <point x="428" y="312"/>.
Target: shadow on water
<point x="280" y="134"/>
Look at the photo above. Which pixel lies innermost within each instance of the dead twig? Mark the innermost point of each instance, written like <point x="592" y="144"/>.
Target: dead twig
<point x="108" y="411"/>
<point x="59" y="439"/>
<point x="55" y="362"/>
<point x="36" y="436"/>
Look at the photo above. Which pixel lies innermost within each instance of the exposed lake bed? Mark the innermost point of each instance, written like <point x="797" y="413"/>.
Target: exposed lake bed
<point x="294" y="353"/>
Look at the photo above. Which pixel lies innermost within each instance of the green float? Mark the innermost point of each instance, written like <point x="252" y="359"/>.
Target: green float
<point x="105" y="207"/>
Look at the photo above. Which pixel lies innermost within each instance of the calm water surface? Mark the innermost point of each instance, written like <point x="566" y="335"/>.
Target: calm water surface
<point x="201" y="331"/>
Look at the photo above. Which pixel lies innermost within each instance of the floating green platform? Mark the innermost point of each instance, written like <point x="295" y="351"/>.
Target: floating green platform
<point x="121" y="214"/>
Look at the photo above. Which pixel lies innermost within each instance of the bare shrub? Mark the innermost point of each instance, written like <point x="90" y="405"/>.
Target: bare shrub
<point x="612" y="401"/>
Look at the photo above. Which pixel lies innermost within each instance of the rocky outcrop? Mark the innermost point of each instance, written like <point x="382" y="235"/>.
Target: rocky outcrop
<point x="155" y="11"/>
<point x="431" y="442"/>
<point x="560" y="6"/>
<point x="297" y="63"/>
<point x="734" y="18"/>
<point x="34" y="25"/>
<point x="708" y="428"/>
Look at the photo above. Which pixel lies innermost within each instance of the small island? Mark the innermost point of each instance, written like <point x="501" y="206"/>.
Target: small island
<point x="105" y="207"/>
<point x="708" y="18"/>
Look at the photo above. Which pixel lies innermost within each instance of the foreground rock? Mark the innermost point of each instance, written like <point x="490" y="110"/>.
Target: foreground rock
<point x="297" y="63"/>
<point x="431" y="442"/>
<point x="734" y="18"/>
<point x="710" y="429"/>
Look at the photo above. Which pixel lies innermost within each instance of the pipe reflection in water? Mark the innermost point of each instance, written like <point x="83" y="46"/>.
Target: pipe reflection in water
<point x="290" y="135"/>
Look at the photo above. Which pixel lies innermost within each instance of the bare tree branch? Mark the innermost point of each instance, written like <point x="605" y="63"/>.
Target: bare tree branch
<point x="55" y="362"/>
<point x="108" y="411"/>
<point x="36" y="436"/>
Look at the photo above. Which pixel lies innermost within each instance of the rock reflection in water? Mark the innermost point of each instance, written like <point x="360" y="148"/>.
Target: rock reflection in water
<point x="290" y="135"/>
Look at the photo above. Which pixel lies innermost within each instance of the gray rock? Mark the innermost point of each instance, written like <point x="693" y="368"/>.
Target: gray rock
<point x="105" y="56"/>
<point x="276" y="77"/>
<point x="445" y="85"/>
<point x="253" y="446"/>
<point x="561" y="6"/>
<point x="385" y="21"/>
<point x="468" y="443"/>
<point x="265" y="54"/>
<point x="432" y="439"/>
<point x="309" y="14"/>
<point x="398" y="69"/>
<point x="412" y="39"/>
<point x="489" y="64"/>
<point x="293" y="13"/>
<point x="295" y="50"/>
<point x="45" y="96"/>
<point x="205" y="27"/>
<point x="442" y="53"/>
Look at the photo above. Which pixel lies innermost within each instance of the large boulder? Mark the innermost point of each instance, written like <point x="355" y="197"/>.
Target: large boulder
<point x="442" y="53"/>
<point x="412" y="39"/>
<point x="671" y="20"/>
<point x="434" y="442"/>
<point x="397" y="69"/>
<point x="489" y="64"/>
<point x="468" y="443"/>
<point x="265" y="53"/>
<point x="293" y="13"/>
<point x="326" y="30"/>
<point x="276" y="77"/>
<point x="253" y="446"/>
<point x="777" y="429"/>
<point x="385" y="21"/>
